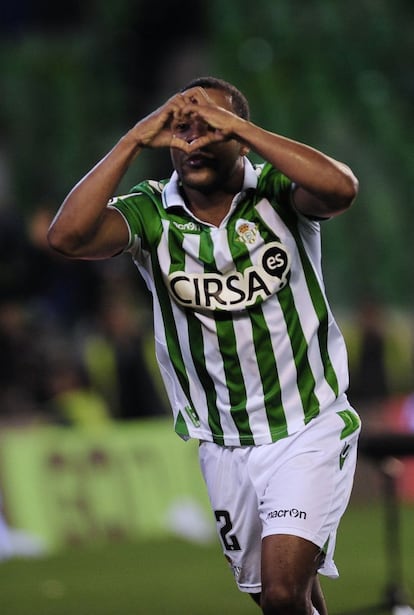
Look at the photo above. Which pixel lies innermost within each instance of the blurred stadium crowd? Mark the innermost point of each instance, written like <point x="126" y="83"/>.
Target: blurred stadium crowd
<point x="75" y="336"/>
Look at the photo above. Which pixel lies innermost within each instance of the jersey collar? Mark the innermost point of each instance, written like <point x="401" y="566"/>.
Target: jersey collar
<point x="171" y="196"/>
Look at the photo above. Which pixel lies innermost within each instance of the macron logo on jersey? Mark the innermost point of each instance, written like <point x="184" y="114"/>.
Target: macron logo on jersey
<point x="234" y="290"/>
<point x="189" y="227"/>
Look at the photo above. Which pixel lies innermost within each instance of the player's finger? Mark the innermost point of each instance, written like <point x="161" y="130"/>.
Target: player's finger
<point x="200" y="142"/>
<point x="196" y="96"/>
<point x="178" y="143"/>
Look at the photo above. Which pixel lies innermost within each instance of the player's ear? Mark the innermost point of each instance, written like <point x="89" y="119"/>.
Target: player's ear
<point x="244" y="150"/>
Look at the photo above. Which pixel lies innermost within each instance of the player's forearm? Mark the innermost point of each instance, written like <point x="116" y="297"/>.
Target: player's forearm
<point x="317" y="173"/>
<point x="80" y="215"/>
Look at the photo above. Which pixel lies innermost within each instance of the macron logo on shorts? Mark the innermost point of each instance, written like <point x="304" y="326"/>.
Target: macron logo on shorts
<point x="286" y="512"/>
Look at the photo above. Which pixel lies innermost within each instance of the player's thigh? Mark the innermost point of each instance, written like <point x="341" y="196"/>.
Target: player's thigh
<point x="289" y="562"/>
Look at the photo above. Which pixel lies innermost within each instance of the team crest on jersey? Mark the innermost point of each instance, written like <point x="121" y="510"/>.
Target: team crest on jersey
<point x="247" y="231"/>
<point x="234" y="290"/>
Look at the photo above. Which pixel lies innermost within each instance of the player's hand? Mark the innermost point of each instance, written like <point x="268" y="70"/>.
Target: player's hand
<point x="168" y="125"/>
<point x="202" y="122"/>
<point x="156" y="130"/>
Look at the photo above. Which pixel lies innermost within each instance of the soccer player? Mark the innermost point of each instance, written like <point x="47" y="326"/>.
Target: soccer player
<point x="253" y="361"/>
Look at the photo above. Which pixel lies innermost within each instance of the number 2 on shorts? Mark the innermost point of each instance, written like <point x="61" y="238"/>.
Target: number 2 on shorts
<point x="230" y="541"/>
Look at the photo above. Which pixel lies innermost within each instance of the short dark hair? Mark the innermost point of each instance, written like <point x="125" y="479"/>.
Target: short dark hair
<point x="239" y="101"/>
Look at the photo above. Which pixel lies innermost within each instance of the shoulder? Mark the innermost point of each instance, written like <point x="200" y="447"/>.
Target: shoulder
<point x="271" y="180"/>
<point x="151" y="187"/>
<point x="140" y="195"/>
<point x="142" y="210"/>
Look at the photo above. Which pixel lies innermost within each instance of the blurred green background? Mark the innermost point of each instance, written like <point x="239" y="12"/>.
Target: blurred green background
<point x="337" y="75"/>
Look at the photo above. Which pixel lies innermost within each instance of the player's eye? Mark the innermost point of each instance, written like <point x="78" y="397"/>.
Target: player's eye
<point x="182" y="127"/>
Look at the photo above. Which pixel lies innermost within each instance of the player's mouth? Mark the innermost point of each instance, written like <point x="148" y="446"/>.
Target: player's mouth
<point x="198" y="160"/>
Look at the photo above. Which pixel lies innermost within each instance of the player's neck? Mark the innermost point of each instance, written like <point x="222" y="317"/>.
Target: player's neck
<point x="211" y="208"/>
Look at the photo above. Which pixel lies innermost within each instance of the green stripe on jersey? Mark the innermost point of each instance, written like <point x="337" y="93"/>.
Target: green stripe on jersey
<point x="234" y="379"/>
<point x="306" y="381"/>
<point x="351" y="420"/>
<point x="207" y="383"/>
<point x="181" y="426"/>
<point x="317" y="298"/>
<point x="269" y="375"/>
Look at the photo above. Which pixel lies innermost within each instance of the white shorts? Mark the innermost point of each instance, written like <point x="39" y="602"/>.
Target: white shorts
<point x="299" y="485"/>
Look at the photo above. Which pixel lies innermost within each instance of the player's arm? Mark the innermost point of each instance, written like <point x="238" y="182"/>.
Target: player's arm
<point x="324" y="186"/>
<point x="84" y="227"/>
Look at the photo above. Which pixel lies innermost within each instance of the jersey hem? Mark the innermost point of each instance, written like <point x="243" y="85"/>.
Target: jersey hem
<point x="235" y="441"/>
<point x="340" y="403"/>
<point x="248" y="440"/>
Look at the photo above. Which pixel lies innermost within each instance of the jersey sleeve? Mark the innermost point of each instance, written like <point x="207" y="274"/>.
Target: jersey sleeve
<point x="139" y="208"/>
<point x="129" y="206"/>
<point x="279" y="189"/>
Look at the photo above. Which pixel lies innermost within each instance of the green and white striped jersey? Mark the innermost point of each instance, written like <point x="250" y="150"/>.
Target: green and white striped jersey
<point x="246" y="342"/>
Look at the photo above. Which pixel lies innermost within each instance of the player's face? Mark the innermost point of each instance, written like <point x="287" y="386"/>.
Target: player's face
<point x="213" y="166"/>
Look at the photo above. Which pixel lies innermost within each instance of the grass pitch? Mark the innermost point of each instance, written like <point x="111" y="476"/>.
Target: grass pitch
<point x="180" y="578"/>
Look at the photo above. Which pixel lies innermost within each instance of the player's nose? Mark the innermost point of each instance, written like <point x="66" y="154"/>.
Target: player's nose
<point x="196" y="130"/>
